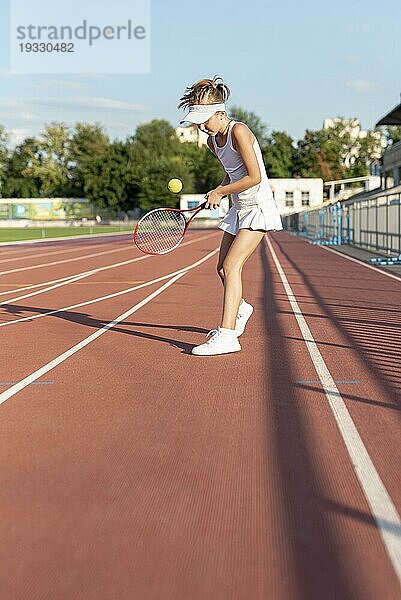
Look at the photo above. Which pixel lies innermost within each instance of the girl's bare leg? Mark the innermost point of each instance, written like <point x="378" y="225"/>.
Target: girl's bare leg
<point x="241" y="248"/>
<point x="225" y="245"/>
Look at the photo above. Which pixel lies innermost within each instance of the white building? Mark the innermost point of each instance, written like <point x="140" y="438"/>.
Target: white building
<point x="291" y="195"/>
<point x="294" y="195"/>
<point x="191" y="134"/>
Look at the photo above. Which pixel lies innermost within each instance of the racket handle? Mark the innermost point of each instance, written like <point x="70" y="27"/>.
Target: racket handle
<point x="204" y="203"/>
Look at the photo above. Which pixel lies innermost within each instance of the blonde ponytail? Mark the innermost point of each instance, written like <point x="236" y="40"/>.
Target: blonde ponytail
<point x="205" y="91"/>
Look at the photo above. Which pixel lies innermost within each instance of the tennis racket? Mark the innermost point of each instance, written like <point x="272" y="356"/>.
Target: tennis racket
<point x="161" y="230"/>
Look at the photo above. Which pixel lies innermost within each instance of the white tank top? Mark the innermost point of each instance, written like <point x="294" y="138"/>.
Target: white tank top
<point x="234" y="166"/>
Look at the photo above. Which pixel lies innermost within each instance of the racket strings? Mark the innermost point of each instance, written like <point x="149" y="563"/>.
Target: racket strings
<point x="160" y="231"/>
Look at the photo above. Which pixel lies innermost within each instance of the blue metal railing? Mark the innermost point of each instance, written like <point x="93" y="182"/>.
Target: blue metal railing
<point x="371" y="221"/>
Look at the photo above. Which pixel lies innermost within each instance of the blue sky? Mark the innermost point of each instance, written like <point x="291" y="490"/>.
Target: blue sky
<point x="292" y="63"/>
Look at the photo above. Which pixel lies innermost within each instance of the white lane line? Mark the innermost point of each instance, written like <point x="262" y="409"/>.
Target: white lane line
<point x="33" y="383"/>
<point x="36" y="285"/>
<point x="61" y="262"/>
<point x="360" y="262"/>
<point x="317" y="381"/>
<point x="67" y="238"/>
<point x="71" y="278"/>
<point x="52" y="253"/>
<point x="382" y="507"/>
<point x="114" y="295"/>
<point x="62" y="357"/>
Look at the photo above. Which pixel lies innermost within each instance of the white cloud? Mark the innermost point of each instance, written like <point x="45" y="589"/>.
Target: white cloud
<point x="18" y="112"/>
<point x="362" y="86"/>
<point x="18" y="135"/>
<point x="73" y="103"/>
<point x="58" y="83"/>
<point x="27" y="116"/>
<point x="86" y="102"/>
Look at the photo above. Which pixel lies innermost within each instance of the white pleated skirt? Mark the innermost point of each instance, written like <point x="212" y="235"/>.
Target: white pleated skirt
<point x="264" y="216"/>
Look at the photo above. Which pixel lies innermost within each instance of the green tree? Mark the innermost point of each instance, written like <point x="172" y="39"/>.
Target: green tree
<point x="105" y="178"/>
<point x="88" y="143"/>
<point x="19" y="180"/>
<point x="368" y="150"/>
<point x="254" y="123"/>
<point x="278" y="155"/>
<point x="157" y="156"/>
<point x="305" y="164"/>
<point x="206" y="169"/>
<point x="323" y="153"/>
<point x="157" y="136"/>
<point x="3" y="157"/>
<point x="49" y="164"/>
<point x="335" y="149"/>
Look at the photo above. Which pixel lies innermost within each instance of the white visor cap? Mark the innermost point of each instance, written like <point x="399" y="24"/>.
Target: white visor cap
<point x="200" y="113"/>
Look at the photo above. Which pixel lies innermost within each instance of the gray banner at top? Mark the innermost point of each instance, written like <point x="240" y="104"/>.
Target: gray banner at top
<point x="80" y="37"/>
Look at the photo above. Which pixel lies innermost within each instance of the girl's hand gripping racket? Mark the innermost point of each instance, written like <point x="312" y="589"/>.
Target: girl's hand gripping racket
<point x="161" y="230"/>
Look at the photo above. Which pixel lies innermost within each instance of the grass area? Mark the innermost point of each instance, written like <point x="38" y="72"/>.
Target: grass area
<point x="15" y="234"/>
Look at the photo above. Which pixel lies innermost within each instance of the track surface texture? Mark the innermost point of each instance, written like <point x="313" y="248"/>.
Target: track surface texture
<point x="133" y="470"/>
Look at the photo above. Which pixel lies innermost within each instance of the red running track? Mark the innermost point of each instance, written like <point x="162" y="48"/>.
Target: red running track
<point x="132" y="469"/>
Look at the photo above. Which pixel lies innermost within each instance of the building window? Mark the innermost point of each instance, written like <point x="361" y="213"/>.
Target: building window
<point x="305" y="198"/>
<point x="375" y="168"/>
<point x="289" y="198"/>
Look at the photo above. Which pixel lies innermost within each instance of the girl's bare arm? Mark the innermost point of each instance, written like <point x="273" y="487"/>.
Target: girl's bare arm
<point x="243" y="140"/>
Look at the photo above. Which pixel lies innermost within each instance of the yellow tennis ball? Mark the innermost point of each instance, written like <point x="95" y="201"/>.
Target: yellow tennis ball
<point x="175" y="185"/>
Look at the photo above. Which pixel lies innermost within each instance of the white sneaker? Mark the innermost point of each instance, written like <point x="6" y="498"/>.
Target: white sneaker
<point x="244" y="312"/>
<point x="219" y="342"/>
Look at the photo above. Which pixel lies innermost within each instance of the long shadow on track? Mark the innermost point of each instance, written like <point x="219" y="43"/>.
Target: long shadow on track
<point x="88" y="321"/>
<point x="316" y="558"/>
<point x="361" y="516"/>
<point x="358" y="337"/>
<point x="352" y="397"/>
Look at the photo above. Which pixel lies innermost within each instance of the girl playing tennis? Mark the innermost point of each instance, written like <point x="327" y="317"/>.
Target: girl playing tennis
<point x="254" y="211"/>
